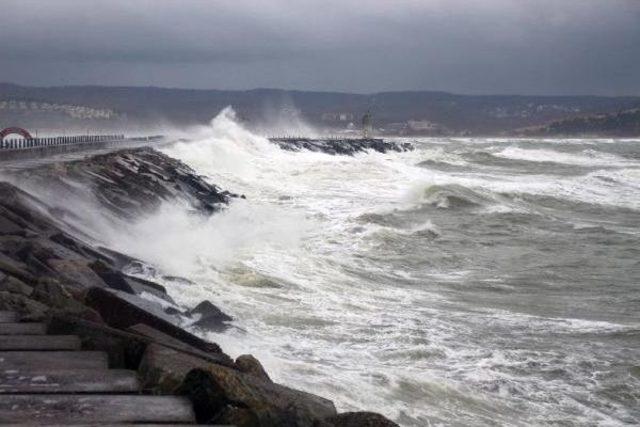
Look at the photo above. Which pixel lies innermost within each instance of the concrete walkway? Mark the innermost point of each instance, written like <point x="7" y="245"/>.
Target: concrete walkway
<point x="48" y="380"/>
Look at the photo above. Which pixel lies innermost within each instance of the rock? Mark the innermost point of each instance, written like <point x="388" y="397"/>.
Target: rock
<point x="167" y="341"/>
<point x="29" y="309"/>
<point x="76" y="246"/>
<point x="45" y="249"/>
<point x="9" y="227"/>
<point x="11" y="245"/>
<point x="360" y="419"/>
<point x="238" y="416"/>
<point x="250" y="365"/>
<point x="178" y="280"/>
<point x="122" y="311"/>
<point x="15" y="268"/>
<point x="140" y="286"/>
<point x="210" y="316"/>
<point x="132" y="182"/>
<point x="163" y="369"/>
<point x="345" y="146"/>
<point x="117" y="259"/>
<point x="76" y="273"/>
<point x="61" y="301"/>
<point x="35" y="264"/>
<point x="233" y="397"/>
<point x="225" y="396"/>
<point x="14" y="285"/>
<point x="111" y="277"/>
<point x="173" y="311"/>
<point x="14" y="207"/>
<point x="6" y="213"/>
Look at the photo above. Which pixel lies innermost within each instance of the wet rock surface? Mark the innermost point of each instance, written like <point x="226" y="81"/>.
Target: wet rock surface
<point x="221" y="394"/>
<point x="209" y="317"/>
<point x="131" y="182"/>
<point x="52" y="275"/>
<point x="252" y="366"/>
<point x="341" y="146"/>
<point x="360" y="419"/>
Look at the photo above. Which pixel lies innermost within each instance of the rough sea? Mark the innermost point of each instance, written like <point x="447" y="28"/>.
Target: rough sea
<point x="470" y="282"/>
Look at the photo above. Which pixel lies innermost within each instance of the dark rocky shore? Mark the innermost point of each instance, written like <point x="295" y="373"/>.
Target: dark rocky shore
<point x="53" y="273"/>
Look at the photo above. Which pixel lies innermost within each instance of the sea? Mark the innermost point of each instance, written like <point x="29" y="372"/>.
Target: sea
<point x="469" y="282"/>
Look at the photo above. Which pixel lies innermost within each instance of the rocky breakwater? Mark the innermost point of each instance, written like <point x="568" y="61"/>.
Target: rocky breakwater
<point x="53" y="273"/>
<point x="341" y="146"/>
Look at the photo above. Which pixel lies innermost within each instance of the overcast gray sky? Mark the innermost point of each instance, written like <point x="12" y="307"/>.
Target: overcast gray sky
<point x="464" y="46"/>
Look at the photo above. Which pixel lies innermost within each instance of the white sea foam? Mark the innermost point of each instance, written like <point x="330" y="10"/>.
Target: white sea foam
<point x="294" y="264"/>
<point x="588" y="157"/>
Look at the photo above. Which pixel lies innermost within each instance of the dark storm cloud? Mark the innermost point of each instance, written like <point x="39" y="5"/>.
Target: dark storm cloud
<point x="498" y="46"/>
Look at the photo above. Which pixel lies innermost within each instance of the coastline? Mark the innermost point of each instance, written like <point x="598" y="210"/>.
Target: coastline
<point x="52" y="271"/>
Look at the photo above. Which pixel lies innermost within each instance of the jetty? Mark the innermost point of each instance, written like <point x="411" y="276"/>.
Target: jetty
<point x="342" y="145"/>
<point x="339" y="146"/>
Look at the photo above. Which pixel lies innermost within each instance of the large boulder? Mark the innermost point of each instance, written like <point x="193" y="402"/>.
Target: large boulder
<point x="141" y="286"/>
<point x="360" y="419"/>
<point x="14" y="285"/>
<point x="168" y="341"/>
<point x="76" y="273"/>
<point x="163" y="369"/>
<point x="79" y="247"/>
<point x="226" y="396"/>
<point x="27" y="308"/>
<point x="15" y="268"/>
<point x="114" y="279"/>
<point x="9" y="227"/>
<point x="122" y="311"/>
<point x="250" y="365"/>
<point x="210" y="317"/>
<point x="62" y="300"/>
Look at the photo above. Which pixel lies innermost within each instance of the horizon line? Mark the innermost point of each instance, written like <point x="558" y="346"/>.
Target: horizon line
<point x="444" y="92"/>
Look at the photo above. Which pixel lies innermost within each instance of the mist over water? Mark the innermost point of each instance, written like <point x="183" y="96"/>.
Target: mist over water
<point x="469" y="282"/>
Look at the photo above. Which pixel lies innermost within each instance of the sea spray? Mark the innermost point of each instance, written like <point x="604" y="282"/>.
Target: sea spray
<point x="352" y="278"/>
<point x="398" y="297"/>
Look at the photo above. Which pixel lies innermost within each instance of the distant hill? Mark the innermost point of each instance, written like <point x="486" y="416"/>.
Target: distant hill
<point x="621" y="124"/>
<point x="419" y="112"/>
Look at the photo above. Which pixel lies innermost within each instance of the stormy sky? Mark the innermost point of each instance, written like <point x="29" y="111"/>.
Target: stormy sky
<point x="463" y="46"/>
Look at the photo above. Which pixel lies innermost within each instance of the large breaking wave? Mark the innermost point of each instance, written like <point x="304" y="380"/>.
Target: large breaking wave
<point x="443" y="286"/>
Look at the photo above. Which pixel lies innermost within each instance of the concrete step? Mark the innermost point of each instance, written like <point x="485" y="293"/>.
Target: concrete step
<point x="69" y="381"/>
<point x="52" y="360"/>
<point x="8" y="317"/>
<point x="39" y="342"/>
<point x="100" y="409"/>
<point x="23" y="329"/>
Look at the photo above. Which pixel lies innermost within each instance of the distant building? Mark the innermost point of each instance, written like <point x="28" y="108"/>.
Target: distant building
<point x="422" y="125"/>
<point x="74" y="111"/>
<point x="337" y="117"/>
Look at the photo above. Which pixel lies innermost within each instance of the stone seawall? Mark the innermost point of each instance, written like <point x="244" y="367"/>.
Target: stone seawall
<point x="341" y="146"/>
<point x="54" y="276"/>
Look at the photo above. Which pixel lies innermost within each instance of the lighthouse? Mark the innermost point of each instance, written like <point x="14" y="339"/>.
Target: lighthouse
<point x="367" y="126"/>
